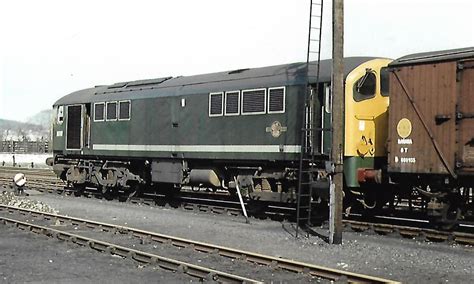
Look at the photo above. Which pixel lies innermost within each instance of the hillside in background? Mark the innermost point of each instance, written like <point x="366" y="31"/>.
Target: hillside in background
<point x="42" y="118"/>
<point x="37" y="127"/>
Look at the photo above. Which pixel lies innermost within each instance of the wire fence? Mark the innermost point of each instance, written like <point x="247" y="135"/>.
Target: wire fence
<point x="24" y="147"/>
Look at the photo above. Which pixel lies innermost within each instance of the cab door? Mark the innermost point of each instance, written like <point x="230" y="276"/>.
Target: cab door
<point x="326" y="119"/>
<point x="74" y="127"/>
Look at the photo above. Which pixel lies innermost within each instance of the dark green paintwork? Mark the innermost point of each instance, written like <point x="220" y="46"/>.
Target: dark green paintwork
<point x="152" y="124"/>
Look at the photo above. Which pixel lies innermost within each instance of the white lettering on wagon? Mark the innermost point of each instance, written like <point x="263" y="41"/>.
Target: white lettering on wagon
<point x="405" y="141"/>
<point x="410" y="160"/>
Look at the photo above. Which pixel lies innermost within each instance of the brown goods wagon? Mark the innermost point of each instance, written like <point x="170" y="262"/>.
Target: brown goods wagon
<point x="431" y="113"/>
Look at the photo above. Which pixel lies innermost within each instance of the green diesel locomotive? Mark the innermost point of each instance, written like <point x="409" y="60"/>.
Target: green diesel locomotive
<point x="215" y="130"/>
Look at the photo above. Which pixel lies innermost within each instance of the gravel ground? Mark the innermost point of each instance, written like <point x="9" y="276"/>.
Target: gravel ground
<point x="9" y="198"/>
<point x="390" y="257"/>
<point x="209" y="260"/>
<point x="29" y="258"/>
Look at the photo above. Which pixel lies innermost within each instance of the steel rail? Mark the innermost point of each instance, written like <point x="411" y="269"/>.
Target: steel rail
<point x="187" y="203"/>
<point x="286" y="264"/>
<point x="356" y="225"/>
<point x="200" y="272"/>
<point x="412" y="232"/>
<point x="32" y="172"/>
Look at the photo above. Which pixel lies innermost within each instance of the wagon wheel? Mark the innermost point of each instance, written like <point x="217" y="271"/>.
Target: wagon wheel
<point x="449" y="218"/>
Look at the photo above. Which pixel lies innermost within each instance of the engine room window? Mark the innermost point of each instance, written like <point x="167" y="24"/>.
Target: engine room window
<point x="232" y="103"/>
<point x="364" y="88"/>
<point x="276" y="100"/>
<point x="216" y="105"/>
<point x="99" y="110"/>
<point x="112" y="111"/>
<point x="60" y="114"/>
<point x="384" y="81"/>
<point x="253" y="101"/>
<point x="124" y="110"/>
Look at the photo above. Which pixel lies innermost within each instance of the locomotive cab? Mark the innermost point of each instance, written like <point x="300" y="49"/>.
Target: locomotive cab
<point x="70" y="131"/>
<point x="366" y="124"/>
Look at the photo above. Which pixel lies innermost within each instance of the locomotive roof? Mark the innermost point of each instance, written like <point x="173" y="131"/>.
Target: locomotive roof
<point x="434" y="56"/>
<point x="278" y="75"/>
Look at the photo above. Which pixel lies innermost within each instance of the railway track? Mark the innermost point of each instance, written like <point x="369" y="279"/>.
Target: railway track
<point x="412" y="232"/>
<point x="45" y="181"/>
<point x="60" y="227"/>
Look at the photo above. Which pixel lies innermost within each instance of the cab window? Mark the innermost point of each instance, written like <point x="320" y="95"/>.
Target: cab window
<point x="60" y="114"/>
<point x="384" y="81"/>
<point x="365" y="87"/>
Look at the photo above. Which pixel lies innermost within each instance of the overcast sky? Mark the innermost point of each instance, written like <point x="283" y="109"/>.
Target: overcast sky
<point x="51" y="48"/>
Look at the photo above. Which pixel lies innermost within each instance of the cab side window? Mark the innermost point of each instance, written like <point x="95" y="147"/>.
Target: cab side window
<point x="365" y="87"/>
<point x="384" y="81"/>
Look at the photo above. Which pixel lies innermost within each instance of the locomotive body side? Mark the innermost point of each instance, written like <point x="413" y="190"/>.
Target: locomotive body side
<point x="181" y="127"/>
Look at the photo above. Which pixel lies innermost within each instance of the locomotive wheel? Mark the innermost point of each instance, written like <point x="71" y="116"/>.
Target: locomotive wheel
<point x="135" y="190"/>
<point x="319" y="213"/>
<point x="257" y="208"/>
<point x="170" y="192"/>
<point x="362" y="202"/>
<point x="79" y="189"/>
<point x="108" y="192"/>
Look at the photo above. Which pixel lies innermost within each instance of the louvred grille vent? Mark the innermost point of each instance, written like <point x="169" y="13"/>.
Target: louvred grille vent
<point x="253" y="101"/>
<point x="216" y="104"/>
<point x="276" y="100"/>
<point x="232" y="103"/>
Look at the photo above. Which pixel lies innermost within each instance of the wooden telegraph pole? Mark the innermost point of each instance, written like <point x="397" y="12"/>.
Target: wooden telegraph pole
<point x="335" y="209"/>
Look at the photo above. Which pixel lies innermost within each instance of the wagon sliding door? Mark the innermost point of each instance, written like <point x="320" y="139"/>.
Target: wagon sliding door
<point x="465" y="116"/>
<point x="74" y="127"/>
